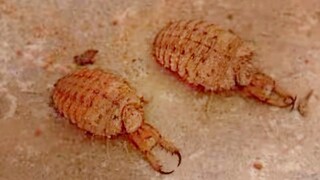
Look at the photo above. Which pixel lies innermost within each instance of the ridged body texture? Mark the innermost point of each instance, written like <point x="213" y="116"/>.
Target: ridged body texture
<point x="105" y="105"/>
<point x="203" y="54"/>
<point x="98" y="102"/>
<point x="216" y="60"/>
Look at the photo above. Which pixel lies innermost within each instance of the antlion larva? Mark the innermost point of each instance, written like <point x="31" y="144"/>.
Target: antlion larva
<point x="216" y="60"/>
<point x="105" y="105"/>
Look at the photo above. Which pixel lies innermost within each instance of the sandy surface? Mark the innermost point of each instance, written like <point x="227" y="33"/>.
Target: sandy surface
<point x="219" y="137"/>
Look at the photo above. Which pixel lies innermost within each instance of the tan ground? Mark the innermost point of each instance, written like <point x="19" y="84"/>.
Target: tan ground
<point x="39" y="39"/>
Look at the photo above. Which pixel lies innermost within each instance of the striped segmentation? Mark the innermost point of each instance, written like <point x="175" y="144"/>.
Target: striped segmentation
<point x="105" y="105"/>
<point x="98" y="102"/>
<point x="201" y="53"/>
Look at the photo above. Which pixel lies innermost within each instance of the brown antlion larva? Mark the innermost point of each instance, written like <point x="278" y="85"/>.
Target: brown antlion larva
<point x="216" y="60"/>
<point x="105" y="105"/>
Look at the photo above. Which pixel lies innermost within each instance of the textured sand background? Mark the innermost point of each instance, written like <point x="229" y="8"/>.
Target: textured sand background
<point x="219" y="137"/>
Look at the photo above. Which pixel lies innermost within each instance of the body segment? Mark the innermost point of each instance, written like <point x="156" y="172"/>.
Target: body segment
<point x="217" y="60"/>
<point x="105" y="105"/>
<point x="97" y="102"/>
<point x="202" y="54"/>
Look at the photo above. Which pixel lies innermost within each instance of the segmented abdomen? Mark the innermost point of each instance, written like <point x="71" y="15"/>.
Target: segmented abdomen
<point x="93" y="100"/>
<point x="199" y="52"/>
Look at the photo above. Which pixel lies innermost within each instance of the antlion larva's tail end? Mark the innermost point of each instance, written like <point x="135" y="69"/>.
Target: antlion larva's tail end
<point x="264" y="89"/>
<point x="145" y="139"/>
